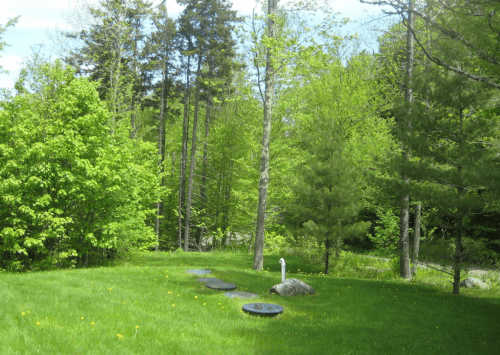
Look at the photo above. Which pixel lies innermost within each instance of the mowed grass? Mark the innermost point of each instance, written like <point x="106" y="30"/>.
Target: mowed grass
<point x="150" y="305"/>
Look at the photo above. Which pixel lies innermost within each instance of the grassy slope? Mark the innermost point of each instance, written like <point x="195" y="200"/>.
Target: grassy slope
<point x="96" y="311"/>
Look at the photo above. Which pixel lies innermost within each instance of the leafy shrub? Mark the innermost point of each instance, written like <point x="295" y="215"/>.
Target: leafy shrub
<point x="395" y="266"/>
<point x="275" y="243"/>
<point x="386" y="232"/>
<point x="70" y="191"/>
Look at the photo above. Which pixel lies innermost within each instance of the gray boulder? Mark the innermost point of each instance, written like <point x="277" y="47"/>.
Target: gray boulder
<point x="292" y="287"/>
<point x="474" y="282"/>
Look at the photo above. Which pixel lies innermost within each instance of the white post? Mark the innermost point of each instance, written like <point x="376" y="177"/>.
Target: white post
<point x="283" y="269"/>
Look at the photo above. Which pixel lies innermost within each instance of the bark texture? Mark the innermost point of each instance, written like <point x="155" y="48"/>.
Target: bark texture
<point x="258" y="263"/>
<point x="182" y="170"/>
<point x="416" y="237"/>
<point x="193" y="156"/>
<point x="404" y="238"/>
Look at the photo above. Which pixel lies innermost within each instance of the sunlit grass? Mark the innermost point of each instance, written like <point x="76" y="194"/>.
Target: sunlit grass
<point x="152" y="306"/>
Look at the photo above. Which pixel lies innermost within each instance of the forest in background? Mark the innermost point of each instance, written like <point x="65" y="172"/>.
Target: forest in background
<point x="270" y="132"/>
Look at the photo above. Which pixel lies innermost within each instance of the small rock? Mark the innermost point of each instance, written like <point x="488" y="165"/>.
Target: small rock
<point x="292" y="287"/>
<point x="474" y="282"/>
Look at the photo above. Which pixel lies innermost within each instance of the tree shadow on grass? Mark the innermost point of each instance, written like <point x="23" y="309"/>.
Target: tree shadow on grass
<point x="349" y="316"/>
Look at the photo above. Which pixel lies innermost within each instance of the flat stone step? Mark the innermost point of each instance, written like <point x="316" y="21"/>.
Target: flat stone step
<point x="241" y="294"/>
<point x="221" y="285"/>
<point x="263" y="309"/>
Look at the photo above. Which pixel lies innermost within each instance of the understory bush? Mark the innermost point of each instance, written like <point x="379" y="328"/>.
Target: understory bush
<point x="74" y="187"/>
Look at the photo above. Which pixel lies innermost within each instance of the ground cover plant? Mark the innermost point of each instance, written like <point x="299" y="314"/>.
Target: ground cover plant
<point x="148" y="304"/>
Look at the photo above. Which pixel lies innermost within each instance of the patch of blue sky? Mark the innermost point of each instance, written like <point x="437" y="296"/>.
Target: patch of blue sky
<point x="40" y="20"/>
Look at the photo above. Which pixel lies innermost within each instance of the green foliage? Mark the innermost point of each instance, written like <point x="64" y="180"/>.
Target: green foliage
<point x="395" y="266"/>
<point x="386" y="232"/>
<point x="276" y="243"/>
<point x="339" y="135"/>
<point x="70" y="191"/>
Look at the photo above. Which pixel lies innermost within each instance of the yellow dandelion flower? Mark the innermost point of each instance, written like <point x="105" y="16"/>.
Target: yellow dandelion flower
<point x="82" y="318"/>
<point x="195" y="296"/>
<point x="204" y="304"/>
<point x="92" y="323"/>
<point x="28" y="312"/>
<point x="37" y="323"/>
<point x="23" y="313"/>
<point x="173" y="304"/>
<point x="119" y="336"/>
<point x="136" y="327"/>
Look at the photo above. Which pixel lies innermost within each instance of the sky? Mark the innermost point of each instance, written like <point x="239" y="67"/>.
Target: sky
<point x="40" y="18"/>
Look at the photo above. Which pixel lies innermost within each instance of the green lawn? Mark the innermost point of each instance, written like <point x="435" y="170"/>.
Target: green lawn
<point x="150" y="305"/>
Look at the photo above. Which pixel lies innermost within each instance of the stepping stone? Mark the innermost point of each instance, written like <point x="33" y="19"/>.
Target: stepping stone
<point x="241" y="294"/>
<point x="263" y="309"/>
<point x="199" y="272"/>
<point x="221" y="285"/>
<point x="209" y="279"/>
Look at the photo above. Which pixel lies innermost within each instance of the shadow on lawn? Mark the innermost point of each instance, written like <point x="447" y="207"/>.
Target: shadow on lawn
<point x="345" y="316"/>
<point x="356" y="316"/>
<point x="349" y="316"/>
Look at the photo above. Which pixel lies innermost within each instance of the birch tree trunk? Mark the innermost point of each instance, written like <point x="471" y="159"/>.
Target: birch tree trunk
<point x="193" y="157"/>
<point x="404" y="238"/>
<point x="182" y="172"/>
<point x="258" y="262"/>
<point x="161" y="146"/>
<point x="416" y="237"/>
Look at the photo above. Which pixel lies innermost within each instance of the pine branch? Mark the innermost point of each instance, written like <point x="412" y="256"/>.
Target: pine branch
<point x="401" y="7"/>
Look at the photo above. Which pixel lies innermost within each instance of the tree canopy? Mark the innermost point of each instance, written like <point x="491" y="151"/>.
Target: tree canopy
<point x="271" y="132"/>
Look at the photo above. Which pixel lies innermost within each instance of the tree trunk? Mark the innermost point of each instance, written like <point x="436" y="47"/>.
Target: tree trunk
<point x="457" y="258"/>
<point x="327" y="256"/>
<point x="404" y="238"/>
<point x="182" y="172"/>
<point x="205" y="161"/>
<point x="193" y="156"/>
<point x="161" y="149"/>
<point x="258" y="262"/>
<point x="416" y="237"/>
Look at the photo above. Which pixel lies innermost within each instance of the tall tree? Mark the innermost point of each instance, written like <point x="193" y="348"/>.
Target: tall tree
<point x="470" y="25"/>
<point x="336" y="118"/>
<point x="453" y="128"/>
<point x="404" y="238"/>
<point x="161" y="45"/>
<point x="258" y="262"/>
<point x="111" y="54"/>
<point x="207" y="27"/>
